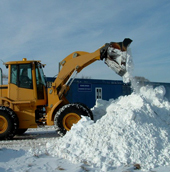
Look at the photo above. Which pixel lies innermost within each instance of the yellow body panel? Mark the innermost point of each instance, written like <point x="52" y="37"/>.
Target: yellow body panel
<point x="16" y="93"/>
<point x="54" y="103"/>
<point x="3" y="90"/>
<point x="26" y="116"/>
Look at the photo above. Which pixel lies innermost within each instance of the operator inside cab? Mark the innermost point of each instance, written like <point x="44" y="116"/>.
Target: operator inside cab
<point x="25" y="80"/>
<point x="24" y="76"/>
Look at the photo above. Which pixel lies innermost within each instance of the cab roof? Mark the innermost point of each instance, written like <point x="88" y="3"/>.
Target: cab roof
<point x="24" y="61"/>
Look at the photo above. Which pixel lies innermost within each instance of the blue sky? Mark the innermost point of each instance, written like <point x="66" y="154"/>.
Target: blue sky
<point x="49" y="30"/>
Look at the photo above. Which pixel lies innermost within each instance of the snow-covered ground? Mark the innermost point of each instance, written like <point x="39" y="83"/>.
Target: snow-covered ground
<point x="127" y="133"/>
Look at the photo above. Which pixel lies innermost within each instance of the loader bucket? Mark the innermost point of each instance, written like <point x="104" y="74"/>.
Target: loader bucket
<point x="115" y="55"/>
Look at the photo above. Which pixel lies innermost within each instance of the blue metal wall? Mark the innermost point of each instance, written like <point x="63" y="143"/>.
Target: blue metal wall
<point x="83" y="90"/>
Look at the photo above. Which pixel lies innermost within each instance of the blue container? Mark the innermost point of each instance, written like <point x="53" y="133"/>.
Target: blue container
<point x="87" y="91"/>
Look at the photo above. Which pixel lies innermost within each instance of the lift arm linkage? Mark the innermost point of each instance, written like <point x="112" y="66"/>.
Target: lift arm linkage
<point x="114" y="54"/>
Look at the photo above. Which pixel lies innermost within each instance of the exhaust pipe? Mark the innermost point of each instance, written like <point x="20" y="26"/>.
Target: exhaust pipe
<point x="115" y="55"/>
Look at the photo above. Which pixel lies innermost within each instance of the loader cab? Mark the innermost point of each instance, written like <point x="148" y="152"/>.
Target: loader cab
<point x="26" y="81"/>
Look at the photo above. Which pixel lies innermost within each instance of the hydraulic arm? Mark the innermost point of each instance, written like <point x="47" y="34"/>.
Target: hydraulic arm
<point x="113" y="54"/>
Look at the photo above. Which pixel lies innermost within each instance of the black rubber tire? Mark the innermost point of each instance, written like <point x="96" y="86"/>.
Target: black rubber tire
<point x="21" y="131"/>
<point x="75" y="108"/>
<point x="12" y="123"/>
<point x="90" y="112"/>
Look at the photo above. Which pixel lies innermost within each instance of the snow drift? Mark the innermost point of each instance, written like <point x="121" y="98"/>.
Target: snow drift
<point x="134" y="130"/>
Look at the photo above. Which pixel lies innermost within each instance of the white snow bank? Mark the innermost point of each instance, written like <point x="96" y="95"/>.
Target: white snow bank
<point x="99" y="109"/>
<point x="134" y="130"/>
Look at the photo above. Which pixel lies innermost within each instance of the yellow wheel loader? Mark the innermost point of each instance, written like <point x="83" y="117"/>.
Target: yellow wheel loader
<point x="26" y="102"/>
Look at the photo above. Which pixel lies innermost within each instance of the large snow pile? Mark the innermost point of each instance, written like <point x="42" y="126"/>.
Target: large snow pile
<point x="133" y="129"/>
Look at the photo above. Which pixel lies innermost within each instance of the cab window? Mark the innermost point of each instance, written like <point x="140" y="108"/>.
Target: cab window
<point x="14" y="75"/>
<point x="21" y="75"/>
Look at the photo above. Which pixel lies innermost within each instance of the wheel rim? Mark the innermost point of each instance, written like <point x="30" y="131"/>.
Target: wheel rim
<point x="70" y="119"/>
<point x="3" y="124"/>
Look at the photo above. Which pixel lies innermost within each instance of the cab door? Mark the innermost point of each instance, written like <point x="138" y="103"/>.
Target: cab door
<point x="20" y="89"/>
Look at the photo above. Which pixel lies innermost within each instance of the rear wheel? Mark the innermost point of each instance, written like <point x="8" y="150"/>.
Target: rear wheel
<point x="3" y="123"/>
<point x="68" y="115"/>
<point x="8" y="123"/>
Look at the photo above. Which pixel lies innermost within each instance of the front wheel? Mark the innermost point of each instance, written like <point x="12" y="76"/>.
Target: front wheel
<point x="68" y="115"/>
